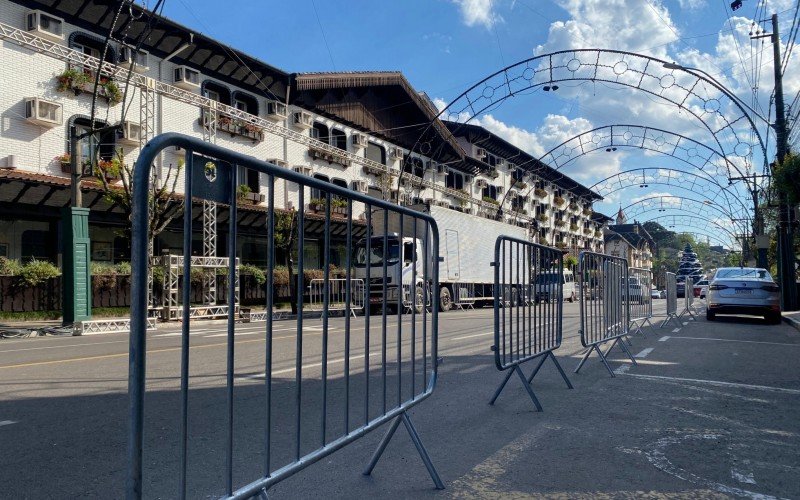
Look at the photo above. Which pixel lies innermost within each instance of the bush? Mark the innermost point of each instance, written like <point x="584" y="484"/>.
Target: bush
<point x="38" y="271"/>
<point x="9" y="267"/>
<point x="280" y="276"/>
<point x="257" y="273"/>
<point x="105" y="275"/>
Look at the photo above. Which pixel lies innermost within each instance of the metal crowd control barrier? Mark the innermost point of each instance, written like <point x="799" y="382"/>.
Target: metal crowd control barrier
<point x="464" y="295"/>
<point x="337" y="295"/>
<point x="688" y="299"/>
<point x="307" y="403"/>
<point x="604" y="305"/>
<point x="640" y="304"/>
<point x="524" y="331"/>
<point x="672" y="301"/>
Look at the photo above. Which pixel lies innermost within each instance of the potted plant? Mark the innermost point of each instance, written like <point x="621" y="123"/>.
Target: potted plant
<point x="541" y="193"/>
<point x="109" y="169"/>
<point x="491" y="200"/>
<point x="316" y="205"/>
<point x="111" y="91"/>
<point x="560" y="223"/>
<point x="493" y="173"/>
<point x="519" y="184"/>
<point x="587" y="231"/>
<point x="339" y="206"/>
<point x="72" y="79"/>
<point x="588" y="211"/>
<point x="573" y="227"/>
<point x="64" y="161"/>
<point x="243" y="192"/>
<point x="558" y="200"/>
<point x="542" y="218"/>
<point x="573" y="206"/>
<point x="598" y="233"/>
<point x="542" y="240"/>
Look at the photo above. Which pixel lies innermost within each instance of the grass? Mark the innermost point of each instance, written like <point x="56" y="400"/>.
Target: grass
<point x="97" y="312"/>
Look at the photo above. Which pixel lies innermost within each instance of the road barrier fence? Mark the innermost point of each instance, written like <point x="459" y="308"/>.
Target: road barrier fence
<point x="640" y="304"/>
<point x="672" y="301"/>
<point x="604" y="300"/>
<point x="308" y="404"/>
<point x="464" y="295"/>
<point x="688" y="300"/>
<point x="340" y="296"/>
<point x="523" y="330"/>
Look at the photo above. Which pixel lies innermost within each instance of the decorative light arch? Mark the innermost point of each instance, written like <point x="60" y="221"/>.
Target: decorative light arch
<point x="696" y="223"/>
<point x="664" y="203"/>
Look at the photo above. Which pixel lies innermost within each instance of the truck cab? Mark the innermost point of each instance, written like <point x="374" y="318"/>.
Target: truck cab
<point x="400" y="258"/>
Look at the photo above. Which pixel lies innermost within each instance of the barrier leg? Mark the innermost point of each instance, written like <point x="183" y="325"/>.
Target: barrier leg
<point x="603" y="358"/>
<point x="624" y="348"/>
<point x="608" y="351"/>
<point x="560" y="370"/>
<point x="583" y="359"/>
<point x="500" y="389"/>
<point x="536" y="370"/>
<point x="423" y="453"/>
<point x="528" y="388"/>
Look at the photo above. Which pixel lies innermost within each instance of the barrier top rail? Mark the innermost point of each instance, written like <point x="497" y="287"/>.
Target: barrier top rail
<point x="526" y="274"/>
<point x="389" y="399"/>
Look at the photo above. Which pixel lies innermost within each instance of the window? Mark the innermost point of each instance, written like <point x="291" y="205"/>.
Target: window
<point x="376" y="153"/>
<point x="35" y="245"/>
<point x="338" y="139"/>
<point x="244" y="102"/>
<point x="491" y="160"/>
<point x="341" y="183"/>
<point x="454" y="180"/>
<point x="518" y="174"/>
<point x="99" y="146"/>
<point x="216" y="92"/>
<point x="320" y="132"/>
<point x="414" y="166"/>
<point x="249" y="178"/>
<point x="490" y="192"/>
<point x="318" y="194"/>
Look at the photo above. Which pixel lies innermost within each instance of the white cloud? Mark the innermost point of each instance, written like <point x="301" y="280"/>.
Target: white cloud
<point x="478" y="12"/>
<point x="692" y="4"/>
<point x="642" y="26"/>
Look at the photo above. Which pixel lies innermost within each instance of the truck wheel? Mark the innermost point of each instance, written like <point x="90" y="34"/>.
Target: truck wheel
<point x="445" y="302"/>
<point x="420" y="299"/>
<point x="514" y="297"/>
<point x="572" y="297"/>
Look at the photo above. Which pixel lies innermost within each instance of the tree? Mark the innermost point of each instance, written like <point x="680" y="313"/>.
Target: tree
<point x="163" y="205"/>
<point x="284" y="237"/>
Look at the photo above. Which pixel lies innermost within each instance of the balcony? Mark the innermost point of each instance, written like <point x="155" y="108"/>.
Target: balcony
<point x="317" y="153"/>
<point x="80" y="80"/>
<point x="234" y="126"/>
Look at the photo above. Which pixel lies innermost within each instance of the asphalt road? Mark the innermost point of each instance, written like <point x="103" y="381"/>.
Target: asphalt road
<point x="709" y="411"/>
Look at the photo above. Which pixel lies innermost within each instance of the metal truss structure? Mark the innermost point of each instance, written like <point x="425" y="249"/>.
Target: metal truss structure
<point x="173" y="269"/>
<point x="654" y="140"/>
<point x="666" y="203"/>
<point x="97" y="326"/>
<point x="728" y="121"/>
<point x="696" y="183"/>
<point x="703" y="225"/>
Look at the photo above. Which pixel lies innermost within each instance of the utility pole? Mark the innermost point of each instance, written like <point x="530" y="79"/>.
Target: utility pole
<point x="786" y="271"/>
<point x="76" y="281"/>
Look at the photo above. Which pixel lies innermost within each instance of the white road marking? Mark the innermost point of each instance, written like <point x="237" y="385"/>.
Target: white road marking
<point x="64" y="346"/>
<point x="259" y="376"/>
<point x="743" y="477"/>
<point x="742" y="341"/>
<point x="622" y="369"/>
<point x="471" y="336"/>
<point x="6" y="422"/>
<point x="644" y="353"/>
<point x="237" y="334"/>
<point x="676" y="330"/>
<point x="664" y="338"/>
<point x="685" y="323"/>
<point x="719" y="383"/>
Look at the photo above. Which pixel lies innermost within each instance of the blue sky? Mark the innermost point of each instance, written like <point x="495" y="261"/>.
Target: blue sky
<point x="444" y="46"/>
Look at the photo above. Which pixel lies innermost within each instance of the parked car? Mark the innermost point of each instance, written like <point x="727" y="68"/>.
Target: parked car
<point x="744" y="290"/>
<point x="680" y="287"/>
<point x="657" y="294"/>
<point x="700" y="289"/>
<point x="546" y="284"/>
<point x="636" y="292"/>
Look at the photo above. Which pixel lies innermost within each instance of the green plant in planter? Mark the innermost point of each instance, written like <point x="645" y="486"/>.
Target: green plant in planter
<point x="558" y="200"/>
<point x="542" y="218"/>
<point x="257" y="273"/>
<point x="113" y="93"/>
<point x="242" y="192"/>
<point x="542" y="240"/>
<point x="587" y="212"/>
<point x="339" y="203"/>
<point x="573" y="227"/>
<point x="786" y="178"/>
<point x="541" y="193"/>
<point x="72" y="79"/>
<point x="9" y="267"/>
<point x="317" y="203"/>
<point x="491" y="200"/>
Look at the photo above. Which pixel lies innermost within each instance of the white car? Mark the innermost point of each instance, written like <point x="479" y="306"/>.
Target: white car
<point x="743" y="290"/>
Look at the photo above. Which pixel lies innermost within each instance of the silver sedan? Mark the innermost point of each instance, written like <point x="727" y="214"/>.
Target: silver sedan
<point x="743" y="290"/>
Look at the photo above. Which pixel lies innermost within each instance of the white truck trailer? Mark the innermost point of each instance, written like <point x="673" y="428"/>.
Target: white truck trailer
<point x="466" y="245"/>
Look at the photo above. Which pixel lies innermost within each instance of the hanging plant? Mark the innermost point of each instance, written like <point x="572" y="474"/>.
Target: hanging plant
<point x="112" y="92"/>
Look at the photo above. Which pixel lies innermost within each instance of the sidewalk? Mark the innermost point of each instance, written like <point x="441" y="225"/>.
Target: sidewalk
<point x="792" y="318"/>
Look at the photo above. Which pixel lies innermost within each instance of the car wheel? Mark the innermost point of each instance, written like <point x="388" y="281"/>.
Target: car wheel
<point x="773" y="318"/>
<point x="710" y="315"/>
<point x="445" y="302"/>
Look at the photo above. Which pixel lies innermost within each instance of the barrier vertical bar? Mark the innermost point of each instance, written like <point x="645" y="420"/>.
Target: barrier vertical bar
<point x="186" y="292"/>
<point x="268" y="340"/>
<point x="232" y="221"/>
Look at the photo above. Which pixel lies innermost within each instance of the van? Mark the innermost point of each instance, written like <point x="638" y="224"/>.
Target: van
<point x="545" y="285"/>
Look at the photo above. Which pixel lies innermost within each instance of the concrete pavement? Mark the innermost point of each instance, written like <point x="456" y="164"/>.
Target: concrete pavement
<point x="708" y="412"/>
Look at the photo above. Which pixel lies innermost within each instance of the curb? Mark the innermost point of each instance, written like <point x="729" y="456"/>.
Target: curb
<point x="794" y="322"/>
